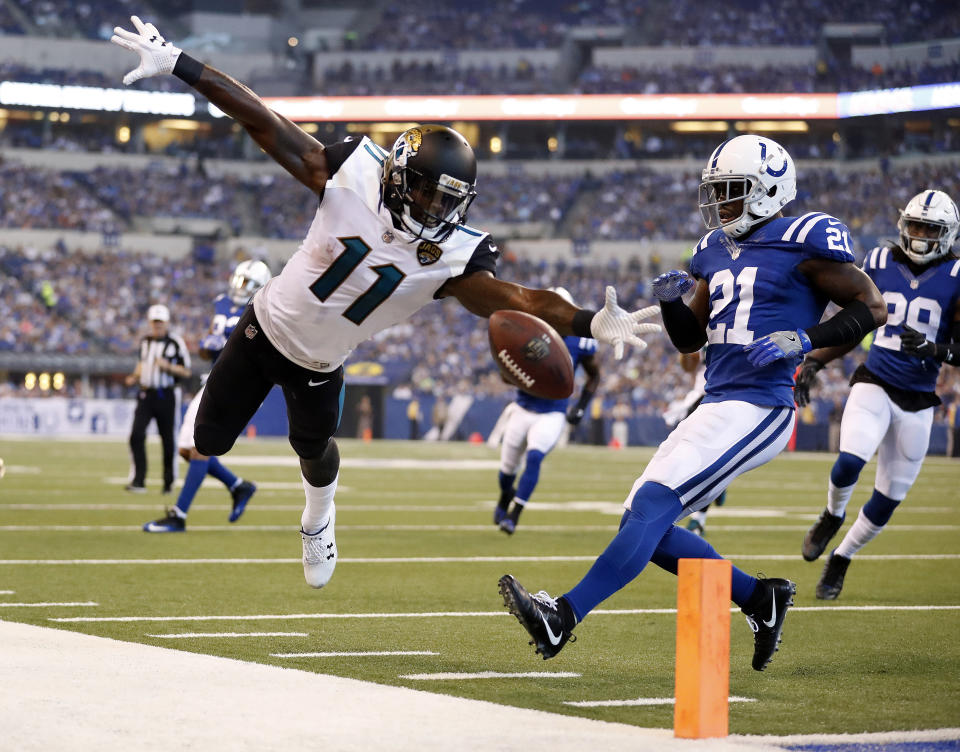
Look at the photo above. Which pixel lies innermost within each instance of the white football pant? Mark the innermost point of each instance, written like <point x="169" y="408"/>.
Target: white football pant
<point x="527" y="430"/>
<point x="711" y="447"/>
<point x="871" y="420"/>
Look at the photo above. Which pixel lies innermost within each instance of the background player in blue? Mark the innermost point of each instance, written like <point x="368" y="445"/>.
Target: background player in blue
<point x="247" y="278"/>
<point x="534" y="426"/>
<point x="757" y="276"/>
<point x="892" y="398"/>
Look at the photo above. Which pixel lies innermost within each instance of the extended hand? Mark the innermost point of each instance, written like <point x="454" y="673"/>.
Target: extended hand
<point x="213" y="342"/>
<point x="915" y="343"/>
<point x="157" y="55"/>
<point x="806" y="378"/>
<point x="776" y="345"/>
<point x="672" y="285"/>
<point x="613" y="325"/>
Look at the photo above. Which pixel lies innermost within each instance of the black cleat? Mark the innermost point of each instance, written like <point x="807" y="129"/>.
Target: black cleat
<point x="539" y="616"/>
<point x="766" y="620"/>
<point x="241" y="495"/>
<point x="831" y="581"/>
<point x="171" y="523"/>
<point x="817" y="537"/>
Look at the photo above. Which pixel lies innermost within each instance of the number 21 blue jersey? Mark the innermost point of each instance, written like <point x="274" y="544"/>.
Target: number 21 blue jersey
<point x="755" y="289"/>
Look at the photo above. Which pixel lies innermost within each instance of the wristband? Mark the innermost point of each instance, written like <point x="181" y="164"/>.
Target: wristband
<point x="187" y="69"/>
<point x="581" y="322"/>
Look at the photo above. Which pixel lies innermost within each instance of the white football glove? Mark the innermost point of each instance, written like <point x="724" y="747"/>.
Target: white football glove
<point x="615" y="326"/>
<point x="157" y="55"/>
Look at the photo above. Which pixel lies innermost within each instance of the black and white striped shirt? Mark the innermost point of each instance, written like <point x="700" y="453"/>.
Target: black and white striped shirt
<point x="172" y="348"/>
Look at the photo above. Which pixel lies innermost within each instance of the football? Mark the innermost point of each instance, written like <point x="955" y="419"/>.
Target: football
<point x="531" y="355"/>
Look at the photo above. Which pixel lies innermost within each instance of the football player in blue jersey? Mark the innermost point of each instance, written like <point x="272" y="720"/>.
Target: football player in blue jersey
<point x="534" y="427"/>
<point x="892" y="398"/>
<point x="247" y="278"/>
<point x="760" y="284"/>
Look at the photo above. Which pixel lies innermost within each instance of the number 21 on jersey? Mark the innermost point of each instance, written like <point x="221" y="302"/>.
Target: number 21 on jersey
<point x="730" y="289"/>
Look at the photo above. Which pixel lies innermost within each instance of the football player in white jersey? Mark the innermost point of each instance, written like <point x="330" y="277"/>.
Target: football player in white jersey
<point x="892" y="398"/>
<point x="389" y="236"/>
<point x="755" y="278"/>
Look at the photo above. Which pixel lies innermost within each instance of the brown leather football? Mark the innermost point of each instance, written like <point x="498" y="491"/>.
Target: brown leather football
<point x="530" y="354"/>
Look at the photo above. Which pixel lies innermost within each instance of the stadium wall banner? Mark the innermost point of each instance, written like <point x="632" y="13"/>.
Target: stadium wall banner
<point x="61" y="416"/>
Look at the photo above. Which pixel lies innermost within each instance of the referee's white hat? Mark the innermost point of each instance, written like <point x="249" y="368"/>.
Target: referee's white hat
<point x="158" y="312"/>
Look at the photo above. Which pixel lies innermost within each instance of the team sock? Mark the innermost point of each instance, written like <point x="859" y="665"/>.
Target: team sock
<point x="531" y="474"/>
<point x="869" y="524"/>
<point x="843" y="479"/>
<point x="222" y="474"/>
<point x="506" y="489"/>
<point x="196" y="472"/>
<point x="654" y="508"/>
<point x="678" y="543"/>
<point x="319" y="503"/>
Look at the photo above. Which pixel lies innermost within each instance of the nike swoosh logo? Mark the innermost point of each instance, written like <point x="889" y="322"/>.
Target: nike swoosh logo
<point x="317" y="383"/>
<point x="554" y="639"/>
<point x="773" y="612"/>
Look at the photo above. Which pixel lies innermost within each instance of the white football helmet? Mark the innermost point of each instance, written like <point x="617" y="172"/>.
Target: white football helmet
<point x="247" y="278"/>
<point x="752" y="168"/>
<point x="936" y="210"/>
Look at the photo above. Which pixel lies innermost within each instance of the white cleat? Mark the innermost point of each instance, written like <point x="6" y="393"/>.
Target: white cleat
<point x="320" y="553"/>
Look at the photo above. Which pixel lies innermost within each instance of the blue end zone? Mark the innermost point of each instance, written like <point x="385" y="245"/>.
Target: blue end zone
<point x="947" y="745"/>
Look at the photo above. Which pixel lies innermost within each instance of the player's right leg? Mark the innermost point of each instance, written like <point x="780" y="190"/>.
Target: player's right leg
<point x="511" y="454"/>
<point x="901" y="455"/>
<point x="866" y="418"/>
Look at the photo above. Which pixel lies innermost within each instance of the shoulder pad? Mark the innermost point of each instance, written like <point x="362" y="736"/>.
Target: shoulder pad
<point x="821" y="236"/>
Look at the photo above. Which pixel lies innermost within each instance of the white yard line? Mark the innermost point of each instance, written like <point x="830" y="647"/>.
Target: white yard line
<point x="4" y="604"/>
<point x="452" y="614"/>
<point x="638" y="701"/>
<point x="358" y="654"/>
<point x="7" y="592"/>
<point x="436" y="559"/>
<point x="454" y="676"/>
<point x="191" y="635"/>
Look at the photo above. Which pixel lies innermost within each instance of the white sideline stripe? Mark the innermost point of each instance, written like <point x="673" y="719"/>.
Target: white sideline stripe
<point x="456" y="614"/>
<point x="428" y="528"/>
<point x="639" y="701"/>
<point x="7" y="592"/>
<point x="58" y="704"/>
<point x="357" y="654"/>
<point x="453" y="676"/>
<point x="188" y="635"/>
<point x="47" y="605"/>
<point x="444" y="559"/>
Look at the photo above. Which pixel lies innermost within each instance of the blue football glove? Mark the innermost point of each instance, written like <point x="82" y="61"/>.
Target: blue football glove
<point x="213" y="342"/>
<point x="776" y="345"/>
<point x="672" y="285"/>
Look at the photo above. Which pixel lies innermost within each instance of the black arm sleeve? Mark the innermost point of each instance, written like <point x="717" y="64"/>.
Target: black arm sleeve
<point x="849" y="325"/>
<point x="682" y="325"/>
<point x="187" y="69"/>
<point x="585" y="396"/>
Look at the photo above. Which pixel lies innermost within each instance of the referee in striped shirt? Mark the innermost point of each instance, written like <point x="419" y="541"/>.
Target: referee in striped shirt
<point x="163" y="361"/>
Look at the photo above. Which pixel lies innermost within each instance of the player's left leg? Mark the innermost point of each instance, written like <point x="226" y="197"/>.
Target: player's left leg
<point x="313" y="413"/>
<point x="694" y="465"/>
<point x="542" y="436"/>
<point x="899" y="460"/>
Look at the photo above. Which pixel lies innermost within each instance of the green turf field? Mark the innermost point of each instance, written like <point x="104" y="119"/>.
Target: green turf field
<point x="419" y="566"/>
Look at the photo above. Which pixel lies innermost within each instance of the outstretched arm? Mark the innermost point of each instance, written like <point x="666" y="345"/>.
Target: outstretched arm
<point x="481" y="293"/>
<point x="295" y="150"/>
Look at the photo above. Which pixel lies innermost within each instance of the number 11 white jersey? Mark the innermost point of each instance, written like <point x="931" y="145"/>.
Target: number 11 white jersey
<point x="355" y="274"/>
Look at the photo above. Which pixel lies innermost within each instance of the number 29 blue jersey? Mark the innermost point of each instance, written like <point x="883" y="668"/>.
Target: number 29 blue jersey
<point x="755" y="289"/>
<point x="580" y="348"/>
<point x="926" y="303"/>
